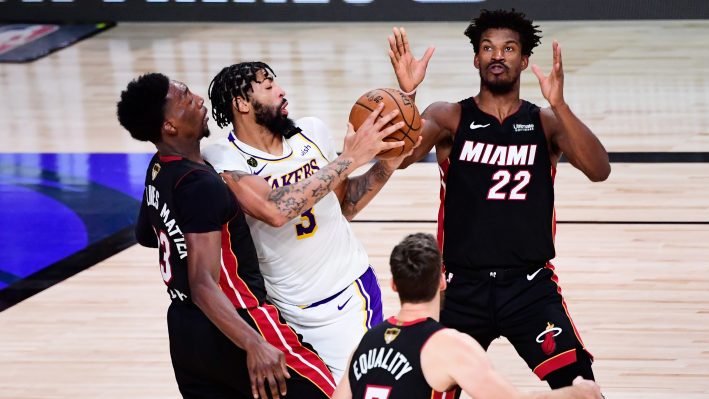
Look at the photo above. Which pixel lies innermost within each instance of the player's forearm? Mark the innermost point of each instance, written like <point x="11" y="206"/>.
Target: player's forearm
<point x="361" y="189"/>
<point x="215" y="305"/>
<point x="561" y="393"/>
<point x="292" y="200"/>
<point x="581" y="146"/>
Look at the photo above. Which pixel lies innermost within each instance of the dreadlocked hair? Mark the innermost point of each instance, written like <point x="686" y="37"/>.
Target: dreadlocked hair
<point x="503" y="19"/>
<point x="230" y="82"/>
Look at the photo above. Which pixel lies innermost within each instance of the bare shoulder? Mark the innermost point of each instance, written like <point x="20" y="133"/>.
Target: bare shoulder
<point x="444" y="113"/>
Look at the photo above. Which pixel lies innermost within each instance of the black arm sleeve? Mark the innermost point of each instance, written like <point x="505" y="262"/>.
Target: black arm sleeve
<point x="203" y="203"/>
<point x="144" y="232"/>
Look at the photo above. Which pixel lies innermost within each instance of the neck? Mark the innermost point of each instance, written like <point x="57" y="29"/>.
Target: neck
<point x="258" y="136"/>
<point x="189" y="151"/>
<point x="415" y="311"/>
<point x="498" y="105"/>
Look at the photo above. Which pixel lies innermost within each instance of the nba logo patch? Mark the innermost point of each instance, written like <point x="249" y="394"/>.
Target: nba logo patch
<point x="156" y="169"/>
<point x="390" y="334"/>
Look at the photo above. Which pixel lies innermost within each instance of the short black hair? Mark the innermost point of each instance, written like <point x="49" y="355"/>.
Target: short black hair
<point x="503" y="19"/>
<point x="232" y="81"/>
<point x="141" y="109"/>
<point x="416" y="268"/>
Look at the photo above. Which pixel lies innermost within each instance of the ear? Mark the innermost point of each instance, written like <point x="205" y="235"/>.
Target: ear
<point x="240" y="104"/>
<point x="525" y="62"/>
<point x="168" y="128"/>
<point x="393" y="286"/>
<point x="476" y="62"/>
<point x="443" y="284"/>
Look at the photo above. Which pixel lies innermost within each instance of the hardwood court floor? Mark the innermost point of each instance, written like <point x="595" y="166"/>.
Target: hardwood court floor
<point x="638" y="292"/>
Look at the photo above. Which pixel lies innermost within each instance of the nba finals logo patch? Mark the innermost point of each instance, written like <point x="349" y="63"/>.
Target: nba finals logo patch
<point x="546" y="338"/>
<point x="252" y="162"/>
<point x="156" y="170"/>
<point x="390" y="334"/>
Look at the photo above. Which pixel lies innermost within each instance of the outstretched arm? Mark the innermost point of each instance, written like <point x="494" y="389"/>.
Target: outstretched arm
<point x="438" y="117"/>
<point x="565" y="131"/>
<point x="451" y="358"/>
<point x="356" y="192"/>
<point x="409" y="71"/>
<point x="276" y="207"/>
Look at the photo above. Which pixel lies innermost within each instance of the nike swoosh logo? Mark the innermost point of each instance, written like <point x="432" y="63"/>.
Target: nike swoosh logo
<point x="473" y="126"/>
<point x="339" y="307"/>
<point x="259" y="171"/>
<point x="531" y="277"/>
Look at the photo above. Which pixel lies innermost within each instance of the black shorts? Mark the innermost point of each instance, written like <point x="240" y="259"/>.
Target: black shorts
<point x="525" y="306"/>
<point x="209" y="365"/>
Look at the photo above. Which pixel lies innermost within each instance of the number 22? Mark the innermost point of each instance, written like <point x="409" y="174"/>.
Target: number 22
<point x="503" y="177"/>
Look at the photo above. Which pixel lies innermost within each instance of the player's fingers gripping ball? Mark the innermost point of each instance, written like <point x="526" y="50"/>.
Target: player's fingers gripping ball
<point x="408" y="113"/>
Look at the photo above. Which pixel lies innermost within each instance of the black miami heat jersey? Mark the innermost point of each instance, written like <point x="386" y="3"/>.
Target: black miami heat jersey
<point x="387" y="362"/>
<point x="497" y="192"/>
<point x="183" y="197"/>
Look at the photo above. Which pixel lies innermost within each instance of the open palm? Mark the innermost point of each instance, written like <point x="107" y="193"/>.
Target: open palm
<point x="409" y="71"/>
<point x="552" y="85"/>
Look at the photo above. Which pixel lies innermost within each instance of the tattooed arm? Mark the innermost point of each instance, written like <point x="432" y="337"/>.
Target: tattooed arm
<point x="276" y="207"/>
<point x="356" y="192"/>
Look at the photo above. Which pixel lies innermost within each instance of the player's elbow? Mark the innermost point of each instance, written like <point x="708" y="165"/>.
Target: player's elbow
<point x="600" y="174"/>
<point x="200" y="289"/>
<point x="274" y="219"/>
<point x="147" y="240"/>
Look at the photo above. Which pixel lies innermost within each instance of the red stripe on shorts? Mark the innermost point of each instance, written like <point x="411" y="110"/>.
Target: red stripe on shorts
<point x="298" y="358"/>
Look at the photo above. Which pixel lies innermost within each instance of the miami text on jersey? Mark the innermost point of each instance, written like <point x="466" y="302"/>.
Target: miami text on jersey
<point x="503" y="155"/>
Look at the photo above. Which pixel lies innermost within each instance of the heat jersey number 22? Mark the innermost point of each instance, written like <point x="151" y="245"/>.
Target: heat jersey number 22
<point x="503" y="177"/>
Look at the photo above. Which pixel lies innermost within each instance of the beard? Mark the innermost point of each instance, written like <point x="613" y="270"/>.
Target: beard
<point x="271" y="117"/>
<point x="206" y="132"/>
<point x="498" y="86"/>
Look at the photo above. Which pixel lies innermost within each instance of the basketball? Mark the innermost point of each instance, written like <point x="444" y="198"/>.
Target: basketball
<point x="392" y="99"/>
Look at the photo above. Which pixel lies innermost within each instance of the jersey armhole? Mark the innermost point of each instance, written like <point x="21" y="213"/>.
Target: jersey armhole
<point x="429" y="338"/>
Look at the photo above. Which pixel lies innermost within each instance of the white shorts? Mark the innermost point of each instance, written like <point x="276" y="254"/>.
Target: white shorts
<point x="335" y="325"/>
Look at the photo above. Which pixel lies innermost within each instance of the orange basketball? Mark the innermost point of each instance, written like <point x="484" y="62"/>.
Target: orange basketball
<point x="392" y="99"/>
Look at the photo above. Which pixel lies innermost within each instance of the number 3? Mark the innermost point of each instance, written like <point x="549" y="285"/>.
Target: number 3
<point x="165" y="267"/>
<point x="307" y="226"/>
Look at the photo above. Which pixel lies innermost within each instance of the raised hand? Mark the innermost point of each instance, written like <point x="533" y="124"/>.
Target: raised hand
<point x="553" y="85"/>
<point x="266" y="363"/>
<point x="409" y="71"/>
<point x="367" y="142"/>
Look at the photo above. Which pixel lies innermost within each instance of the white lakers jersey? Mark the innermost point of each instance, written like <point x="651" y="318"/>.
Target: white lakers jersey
<point x="315" y="255"/>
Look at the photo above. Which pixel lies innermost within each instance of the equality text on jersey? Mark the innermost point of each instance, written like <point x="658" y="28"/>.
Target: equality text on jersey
<point x="502" y="155"/>
<point x="173" y="230"/>
<point x="381" y="358"/>
<point x="303" y="172"/>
